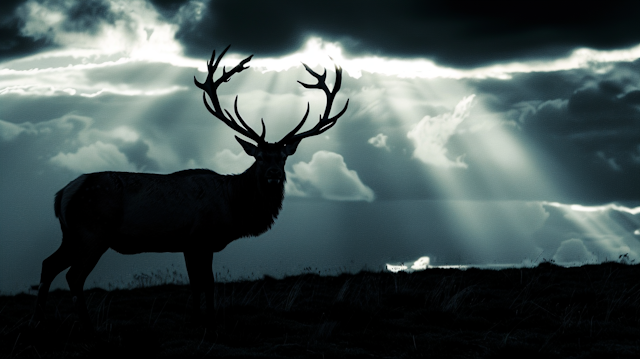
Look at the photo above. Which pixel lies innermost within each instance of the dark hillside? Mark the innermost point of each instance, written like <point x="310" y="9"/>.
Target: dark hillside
<point x="591" y="311"/>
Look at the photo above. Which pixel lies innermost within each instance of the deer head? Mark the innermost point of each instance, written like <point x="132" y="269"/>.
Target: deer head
<point x="270" y="157"/>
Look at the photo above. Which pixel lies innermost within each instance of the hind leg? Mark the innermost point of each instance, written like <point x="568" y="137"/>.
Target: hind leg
<point x="76" y="276"/>
<point x="60" y="260"/>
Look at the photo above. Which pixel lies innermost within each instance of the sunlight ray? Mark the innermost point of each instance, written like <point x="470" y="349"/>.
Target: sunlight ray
<point x="606" y="235"/>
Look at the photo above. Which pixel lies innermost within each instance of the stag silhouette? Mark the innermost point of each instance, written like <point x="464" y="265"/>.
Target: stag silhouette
<point x="196" y="212"/>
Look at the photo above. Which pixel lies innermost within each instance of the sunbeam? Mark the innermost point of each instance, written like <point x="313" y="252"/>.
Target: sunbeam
<point x="608" y="231"/>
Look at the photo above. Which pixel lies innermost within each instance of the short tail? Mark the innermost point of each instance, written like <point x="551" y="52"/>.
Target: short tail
<point x="65" y="195"/>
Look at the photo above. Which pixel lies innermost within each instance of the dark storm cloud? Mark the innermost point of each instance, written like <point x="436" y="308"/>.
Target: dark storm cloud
<point x="587" y="124"/>
<point x="86" y="16"/>
<point x="12" y="43"/>
<point x="458" y="33"/>
<point x="168" y="8"/>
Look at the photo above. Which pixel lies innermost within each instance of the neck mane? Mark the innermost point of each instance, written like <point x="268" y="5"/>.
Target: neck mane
<point x="255" y="203"/>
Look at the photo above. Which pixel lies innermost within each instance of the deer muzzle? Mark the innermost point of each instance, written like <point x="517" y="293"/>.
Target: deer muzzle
<point x="274" y="176"/>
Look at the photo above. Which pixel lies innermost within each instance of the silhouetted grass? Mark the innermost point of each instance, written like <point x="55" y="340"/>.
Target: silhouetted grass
<point x="591" y="311"/>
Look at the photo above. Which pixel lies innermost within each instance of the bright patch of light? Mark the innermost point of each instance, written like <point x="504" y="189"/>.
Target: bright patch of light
<point x="601" y="208"/>
<point x="637" y="232"/>
<point x="396" y="268"/>
<point x="422" y="68"/>
<point x="316" y="51"/>
<point x="421" y="263"/>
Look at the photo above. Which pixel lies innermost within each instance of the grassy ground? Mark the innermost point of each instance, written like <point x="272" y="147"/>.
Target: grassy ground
<point x="591" y="311"/>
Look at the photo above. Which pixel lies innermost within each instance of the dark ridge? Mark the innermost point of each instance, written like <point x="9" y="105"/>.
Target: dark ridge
<point x="549" y="311"/>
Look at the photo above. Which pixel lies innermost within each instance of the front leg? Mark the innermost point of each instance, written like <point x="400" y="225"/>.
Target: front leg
<point x="201" y="279"/>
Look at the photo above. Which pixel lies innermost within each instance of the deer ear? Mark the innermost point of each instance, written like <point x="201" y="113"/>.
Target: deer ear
<point x="290" y="148"/>
<point x="249" y="148"/>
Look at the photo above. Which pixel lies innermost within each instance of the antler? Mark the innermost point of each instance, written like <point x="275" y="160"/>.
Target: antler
<point x="325" y="121"/>
<point x="210" y="87"/>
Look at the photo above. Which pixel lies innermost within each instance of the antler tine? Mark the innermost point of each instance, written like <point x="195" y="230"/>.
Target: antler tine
<point x="325" y="122"/>
<point x="244" y="124"/>
<point x="210" y="88"/>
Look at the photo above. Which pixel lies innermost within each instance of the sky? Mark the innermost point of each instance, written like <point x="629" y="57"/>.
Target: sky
<point x="475" y="134"/>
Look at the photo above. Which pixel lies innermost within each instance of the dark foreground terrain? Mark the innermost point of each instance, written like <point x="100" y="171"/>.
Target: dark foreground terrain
<point x="591" y="311"/>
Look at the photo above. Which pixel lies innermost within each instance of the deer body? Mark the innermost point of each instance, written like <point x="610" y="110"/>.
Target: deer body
<point x="137" y="212"/>
<point x="196" y="212"/>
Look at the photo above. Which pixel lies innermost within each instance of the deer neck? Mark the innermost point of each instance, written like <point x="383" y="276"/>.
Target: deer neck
<point x="257" y="192"/>
<point x="255" y="206"/>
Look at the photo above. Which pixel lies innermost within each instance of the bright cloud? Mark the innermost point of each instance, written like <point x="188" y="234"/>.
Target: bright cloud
<point x="421" y="263"/>
<point x="131" y="28"/>
<point x="76" y="80"/>
<point x="9" y="131"/>
<point x="120" y="34"/>
<point x="431" y="134"/>
<point x="136" y="34"/>
<point x="379" y="141"/>
<point x="575" y="252"/>
<point x="120" y="134"/>
<point x="227" y="162"/>
<point x="93" y="158"/>
<point x="327" y="174"/>
<point x="396" y="268"/>
<point x="601" y="208"/>
<point x="315" y="52"/>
